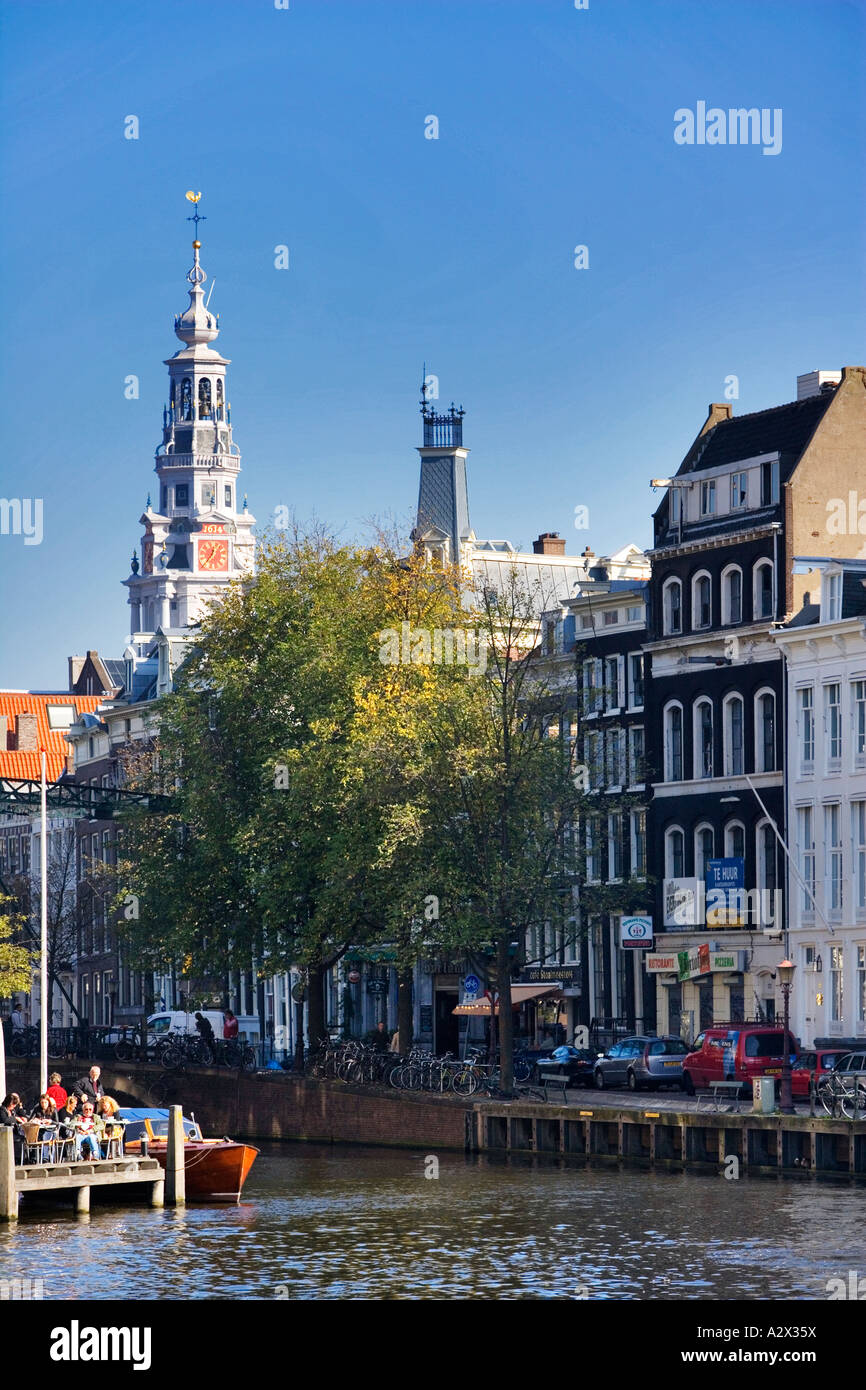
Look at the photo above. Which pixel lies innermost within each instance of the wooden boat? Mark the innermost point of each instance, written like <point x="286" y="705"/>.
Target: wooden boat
<point x="216" y="1169"/>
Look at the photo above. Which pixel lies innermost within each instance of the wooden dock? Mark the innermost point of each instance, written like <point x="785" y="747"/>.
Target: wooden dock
<point x="759" y="1143"/>
<point x="77" y="1179"/>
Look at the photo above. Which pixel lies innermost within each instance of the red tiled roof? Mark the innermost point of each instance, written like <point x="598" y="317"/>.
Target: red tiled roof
<point x="27" y="763"/>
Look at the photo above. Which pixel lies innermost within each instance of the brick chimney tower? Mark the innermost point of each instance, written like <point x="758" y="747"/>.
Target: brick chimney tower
<point x="549" y="543"/>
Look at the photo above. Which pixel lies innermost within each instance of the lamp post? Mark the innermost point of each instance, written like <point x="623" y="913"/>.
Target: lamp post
<point x="785" y="972"/>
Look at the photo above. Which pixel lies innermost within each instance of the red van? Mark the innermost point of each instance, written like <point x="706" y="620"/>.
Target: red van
<point x="736" y="1052"/>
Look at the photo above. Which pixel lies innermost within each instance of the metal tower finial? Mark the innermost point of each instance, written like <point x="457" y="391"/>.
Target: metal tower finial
<point x="196" y="276"/>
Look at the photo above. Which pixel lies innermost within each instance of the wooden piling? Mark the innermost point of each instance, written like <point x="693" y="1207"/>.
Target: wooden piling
<point x="175" y="1175"/>
<point x="82" y="1200"/>
<point x="8" y="1190"/>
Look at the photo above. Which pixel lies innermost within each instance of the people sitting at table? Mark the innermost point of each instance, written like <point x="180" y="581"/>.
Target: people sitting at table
<point x="67" y="1116"/>
<point x="12" y="1115"/>
<point x="88" y="1132"/>
<point x="45" y="1112"/>
<point x="107" y="1110"/>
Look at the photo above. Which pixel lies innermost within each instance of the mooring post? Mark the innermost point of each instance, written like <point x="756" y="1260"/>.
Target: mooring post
<point x="82" y="1200"/>
<point x="157" y="1193"/>
<point x="175" y="1176"/>
<point x="8" y="1192"/>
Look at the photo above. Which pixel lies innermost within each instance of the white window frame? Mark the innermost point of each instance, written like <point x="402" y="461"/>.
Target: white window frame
<point x="831" y="596"/>
<point x="700" y="861"/>
<point x="667" y="611"/>
<point x="764" y="836"/>
<point x="699" y="772"/>
<point x="730" y="827"/>
<point x="637" y="835"/>
<point x="635" y="656"/>
<point x="696" y="580"/>
<point x="806" y="729"/>
<point x="757" y="613"/>
<point x="708" y="497"/>
<point x="615" y="844"/>
<point x="858" y="857"/>
<point x="615" y="759"/>
<point x="613" y="666"/>
<point x="667" y="740"/>
<point x="858" y="723"/>
<point x="834" y="860"/>
<point x="760" y="761"/>
<point x="670" y="870"/>
<point x="739" y="491"/>
<point x="832" y="726"/>
<point x="727" y="732"/>
<point x="636" y="771"/>
<point x="728" y="618"/>
<point x="806" y="856"/>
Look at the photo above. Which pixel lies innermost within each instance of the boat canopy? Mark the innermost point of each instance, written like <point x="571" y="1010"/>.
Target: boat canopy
<point x="136" y="1127"/>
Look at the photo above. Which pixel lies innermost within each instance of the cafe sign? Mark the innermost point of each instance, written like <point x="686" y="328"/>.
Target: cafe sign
<point x="702" y="961"/>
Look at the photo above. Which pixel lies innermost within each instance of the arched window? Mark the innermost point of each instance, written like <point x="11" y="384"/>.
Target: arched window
<point x="762" y="589"/>
<point x="735" y="840"/>
<point x="702" y="608"/>
<point x="732" y="594"/>
<point x="733" y="726"/>
<point x="767" y="873"/>
<point x="672" y="606"/>
<point x="219" y="397"/>
<point x="704" y="850"/>
<point x="186" y="399"/>
<point x="765" y="731"/>
<point x="204" y="410"/>
<point x="703" y="738"/>
<point x="673" y="742"/>
<point x="674" y="852"/>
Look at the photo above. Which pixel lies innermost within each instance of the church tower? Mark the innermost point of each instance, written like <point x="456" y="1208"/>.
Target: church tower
<point x="442" y="526"/>
<point x="196" y="538"/>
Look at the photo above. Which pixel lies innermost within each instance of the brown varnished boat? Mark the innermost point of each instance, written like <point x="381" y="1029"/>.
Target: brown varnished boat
<point x="215" y="1169"/>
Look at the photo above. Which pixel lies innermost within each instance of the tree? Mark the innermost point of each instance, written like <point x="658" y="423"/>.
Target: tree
<point x="16" y="967"/>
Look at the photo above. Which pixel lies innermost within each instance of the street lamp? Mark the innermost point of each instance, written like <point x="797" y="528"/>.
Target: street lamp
<point x="785" y="974"/>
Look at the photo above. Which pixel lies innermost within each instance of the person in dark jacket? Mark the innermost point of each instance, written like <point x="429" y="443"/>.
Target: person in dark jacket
<point x="90" y="1087"/>
<point x="12" y="1115"/>
<point x="45" y="1111"/>
<point x="66" y="1117"/>
<point x="205" y="1032"/>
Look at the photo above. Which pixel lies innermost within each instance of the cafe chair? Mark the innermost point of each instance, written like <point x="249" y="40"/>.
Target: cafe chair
<point x="34" y="1147"/>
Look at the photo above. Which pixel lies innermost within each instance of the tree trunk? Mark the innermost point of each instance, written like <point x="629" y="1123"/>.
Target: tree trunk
<point x="506" y="1017"/>
<point x="315" y="1005"/>
<point x="404" y="1010"/>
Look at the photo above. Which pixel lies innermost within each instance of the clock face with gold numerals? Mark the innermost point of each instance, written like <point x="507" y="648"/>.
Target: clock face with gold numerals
<point x="213" y="555"/>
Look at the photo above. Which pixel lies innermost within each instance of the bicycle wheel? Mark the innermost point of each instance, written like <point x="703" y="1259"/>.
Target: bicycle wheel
<point x="171" y="1058"/>
<point x="853" y="1099"/>
<point x="123" y="1051"/>
<point x="465" y="1082"/>
<point x="18" y="1045"/>
<point x="522" y="1070"/>
<point x="825" y="1092"/>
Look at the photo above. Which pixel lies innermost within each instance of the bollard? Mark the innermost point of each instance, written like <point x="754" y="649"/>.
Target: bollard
<point x="8" y="1191"/>
<point x="175" y="1175"/>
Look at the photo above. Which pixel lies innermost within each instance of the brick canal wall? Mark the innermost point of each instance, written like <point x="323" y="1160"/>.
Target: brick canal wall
<point x="274" y="1105"/>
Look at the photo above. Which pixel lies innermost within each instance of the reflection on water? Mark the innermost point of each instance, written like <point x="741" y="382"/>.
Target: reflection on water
<point x="322" y="1222"/>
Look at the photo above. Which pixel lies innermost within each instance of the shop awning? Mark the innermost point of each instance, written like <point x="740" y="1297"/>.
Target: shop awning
<point x="520" y="994"/>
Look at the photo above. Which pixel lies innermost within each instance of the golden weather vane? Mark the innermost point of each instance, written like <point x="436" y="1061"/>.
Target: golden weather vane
<point x="197" y="217"/>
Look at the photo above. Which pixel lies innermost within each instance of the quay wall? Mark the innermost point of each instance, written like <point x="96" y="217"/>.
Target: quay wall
<point x="276" y="1105"/>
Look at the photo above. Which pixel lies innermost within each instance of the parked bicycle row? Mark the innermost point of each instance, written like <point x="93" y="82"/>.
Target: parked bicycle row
<point x="362" y="1064"/>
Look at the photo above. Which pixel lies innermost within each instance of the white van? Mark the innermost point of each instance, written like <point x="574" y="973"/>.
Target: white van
<point x="176" y="1021"/>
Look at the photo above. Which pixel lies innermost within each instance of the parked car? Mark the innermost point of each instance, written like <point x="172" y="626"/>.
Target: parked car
<point x="736" y="1052"/>
<point x="821" y="1061"/>
<point x="577" y="1063"/>
<point x="641" y="1061"/>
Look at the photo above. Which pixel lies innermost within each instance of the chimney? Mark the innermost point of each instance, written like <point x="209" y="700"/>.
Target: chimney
<point x="549" y="543"/>
<point x="27" y="729"/>
<point x="3" y="729"/>
<point x="813" y="383"/>
<point x="76" y="666"/>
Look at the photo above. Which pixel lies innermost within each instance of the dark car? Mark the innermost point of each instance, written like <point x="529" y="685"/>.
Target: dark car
<point x="641" y="1061"/>
<point x="577" y="1063"/>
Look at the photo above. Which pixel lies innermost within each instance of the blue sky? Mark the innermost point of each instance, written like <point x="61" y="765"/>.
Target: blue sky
<point x="305" y="127"/>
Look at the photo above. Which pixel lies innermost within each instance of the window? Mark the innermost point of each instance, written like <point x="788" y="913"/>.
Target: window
<point x="860" y="1005"/>
<point x="701" y="604"/>
<point x="586" y="620"/>
<point x="219" y="396"/>
<point x="806" y="851"/>
<point x="858" y="719"/>
<point x="186" y="399"/>
<point x="60" y="716"/>
<point x="767" y="877"/>
<point x="833" y="725"/>
<point x="735" y="840"/>
<point x="708" y="498"/>
<point x="636" y="755"/>
<point x="612" y="682"/>
<point x="704" y="850"/>
<point x="674" y="853"/>
<point x="673" y="726"/>
<point x="594" y="759"/>
<point x="635" y="682"/>
<point x="762" y="597"/>
<point x="592" y="692"/>
<point x="806" y="728"/>
<point x="739" y="490"/>
<point x="204" y="399"/>
<point x="611" y="617"/>
<point x="593" y="850"/>
<point x="638" y="843"/>
<point x="208" y="494"/>
<point x="672" y="600"/>
<point x="635" y="614"/>
<point x="770" y="483"/>
<point x="676" y="506"/>
<point x="858" y="841"/>
<point x="832" y="597"/>
<point x="616" y="770"/>
<point x="703" y="739"/>
<point x="833" y="858"/>
<point x="181" y="495"/>
<point x="765" y="731"/>
<point x="615" y="847"/>
<point x="837" y="988"/>
<point x="733" y="736"/>
<point x="228" y="495"/>
<point x="732" y="595"/>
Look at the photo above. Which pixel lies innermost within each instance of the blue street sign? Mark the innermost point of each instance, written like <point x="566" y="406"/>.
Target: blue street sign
<point x="471" y="984"/>
<point x="725" y="883"/>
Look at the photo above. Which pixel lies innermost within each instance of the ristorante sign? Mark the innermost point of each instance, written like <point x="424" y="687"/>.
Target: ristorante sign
<point x="687" y="965"/>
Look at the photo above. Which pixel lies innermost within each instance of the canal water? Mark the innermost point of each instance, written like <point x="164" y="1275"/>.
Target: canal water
<point x="323" y="1222"/>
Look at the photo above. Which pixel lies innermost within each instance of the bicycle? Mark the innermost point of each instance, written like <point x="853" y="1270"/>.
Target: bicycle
<point x="847" y="1091"/>
<point x="181" y="1048"/>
